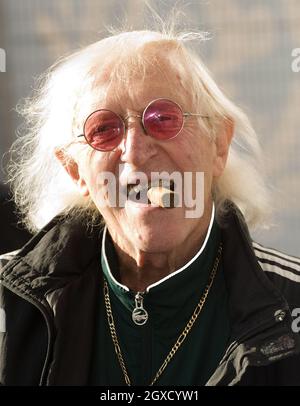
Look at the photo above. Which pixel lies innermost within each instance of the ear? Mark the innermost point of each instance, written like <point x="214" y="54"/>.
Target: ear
<point x="72" y="168"/>
<point x="222" y="144"/>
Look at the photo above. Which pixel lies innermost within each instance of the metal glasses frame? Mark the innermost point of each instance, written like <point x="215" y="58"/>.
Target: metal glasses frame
<point x="184" y="115"/>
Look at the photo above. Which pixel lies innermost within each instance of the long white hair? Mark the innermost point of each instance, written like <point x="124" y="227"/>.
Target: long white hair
<point x="65" y="95"/>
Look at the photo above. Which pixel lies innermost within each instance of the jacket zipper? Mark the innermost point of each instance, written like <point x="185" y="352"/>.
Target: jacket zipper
<point x="46" y="313"/>
<point x="139" y="314"/>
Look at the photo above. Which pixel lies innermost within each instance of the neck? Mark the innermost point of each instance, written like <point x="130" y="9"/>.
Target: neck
<point x="141" y="269"/>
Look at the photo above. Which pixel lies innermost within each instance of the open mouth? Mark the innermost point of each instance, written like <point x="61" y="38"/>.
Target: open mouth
<point x="137" y="192"/>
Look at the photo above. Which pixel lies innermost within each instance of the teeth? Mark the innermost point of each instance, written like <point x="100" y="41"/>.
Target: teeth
<point x="137" y="188"/>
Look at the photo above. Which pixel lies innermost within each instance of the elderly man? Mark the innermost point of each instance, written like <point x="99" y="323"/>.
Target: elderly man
<point x="142" y="271"/>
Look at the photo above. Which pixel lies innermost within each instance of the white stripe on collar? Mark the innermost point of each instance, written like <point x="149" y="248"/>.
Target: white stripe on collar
<point x="171" y="274"/>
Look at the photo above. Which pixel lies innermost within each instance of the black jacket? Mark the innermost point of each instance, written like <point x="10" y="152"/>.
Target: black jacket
<point x="13" y="235"/>
<point x="49" y="294"/>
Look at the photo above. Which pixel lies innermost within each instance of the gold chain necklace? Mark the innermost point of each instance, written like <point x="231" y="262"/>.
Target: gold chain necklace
<point x="181" y="337"/>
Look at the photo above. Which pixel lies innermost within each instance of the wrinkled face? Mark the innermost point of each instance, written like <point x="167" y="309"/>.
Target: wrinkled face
<point x="148" y="228"/>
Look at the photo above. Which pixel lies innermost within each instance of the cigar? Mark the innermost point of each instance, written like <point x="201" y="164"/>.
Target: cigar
<point x="163" y="197"/>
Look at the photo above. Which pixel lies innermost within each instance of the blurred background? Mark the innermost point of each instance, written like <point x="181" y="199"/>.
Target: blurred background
<point x="249" y="54"/>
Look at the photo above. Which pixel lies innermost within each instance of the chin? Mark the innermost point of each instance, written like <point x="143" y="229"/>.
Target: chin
<point x="158" y="239"/>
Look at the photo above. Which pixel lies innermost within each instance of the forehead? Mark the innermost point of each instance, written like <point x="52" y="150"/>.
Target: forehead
<point x="135" y="80"/>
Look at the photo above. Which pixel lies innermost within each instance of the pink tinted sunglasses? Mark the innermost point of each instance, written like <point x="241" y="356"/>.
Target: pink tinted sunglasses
<point x="162" y="119"/>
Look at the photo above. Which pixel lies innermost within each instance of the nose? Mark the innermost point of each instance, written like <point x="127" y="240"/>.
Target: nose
<point x="137" y="147"/>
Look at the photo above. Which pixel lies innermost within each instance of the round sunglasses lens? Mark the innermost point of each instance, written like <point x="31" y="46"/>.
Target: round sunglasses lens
<point x="163" y="119"/>
<point x="104" y="130"/>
